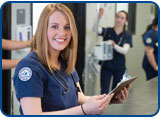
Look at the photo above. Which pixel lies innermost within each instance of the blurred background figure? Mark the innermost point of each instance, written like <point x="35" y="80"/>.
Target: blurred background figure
<point x="121" y="42"/>
<point x="150" y="40"/>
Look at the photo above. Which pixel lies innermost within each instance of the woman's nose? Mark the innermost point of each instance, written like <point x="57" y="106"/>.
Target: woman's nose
<point x="61" y="31"/>
<point x="119" y="18"/>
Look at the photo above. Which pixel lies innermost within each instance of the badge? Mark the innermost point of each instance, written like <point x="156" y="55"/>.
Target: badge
<point x="25" y="74"/>
<point x="148" y="40"/>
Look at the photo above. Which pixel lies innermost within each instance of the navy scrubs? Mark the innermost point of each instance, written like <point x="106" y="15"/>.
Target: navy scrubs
<point x="150" y="39"/>
<point x="115" y="67"/>
<point x="32" y="79"/>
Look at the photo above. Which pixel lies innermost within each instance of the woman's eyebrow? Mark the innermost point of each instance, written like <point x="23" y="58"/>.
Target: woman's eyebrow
<point x="54" y="23"/>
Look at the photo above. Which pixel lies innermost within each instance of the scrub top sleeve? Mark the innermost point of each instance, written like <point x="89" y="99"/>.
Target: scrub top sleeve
<point x="149" y="41"/>
<point x="75" y="74"/>
<point x="129" y="40"/>
<point x="103" y="31"/>
<point x="28" y="82"/>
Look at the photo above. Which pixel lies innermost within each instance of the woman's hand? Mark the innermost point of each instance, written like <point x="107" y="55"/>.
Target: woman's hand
<point x="101" y="11"/>
<point x="28" y="42"/>
<point x="122" y="96"/>
<point x="113" y="43"/>
<point x="97" y="104"/>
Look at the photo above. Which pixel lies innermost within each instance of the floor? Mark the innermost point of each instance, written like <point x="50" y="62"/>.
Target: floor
<point x="142" y="100"/>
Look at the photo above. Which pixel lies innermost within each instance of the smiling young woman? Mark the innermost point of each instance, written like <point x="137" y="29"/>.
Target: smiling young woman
<point x="46" y="81"/>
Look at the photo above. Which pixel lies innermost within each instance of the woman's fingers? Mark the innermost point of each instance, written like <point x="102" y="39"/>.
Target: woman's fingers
<point x="128" y="87"/>
<point x="98" y="97"/>
<point x="97" y="104"/>
<point x="123" y="95"/>
<point x="126" y="92"/>
<point x="106" y="100"/>
<point x="106" y="104"/>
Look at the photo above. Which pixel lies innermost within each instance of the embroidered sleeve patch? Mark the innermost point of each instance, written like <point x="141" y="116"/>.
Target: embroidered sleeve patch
<point x="25" y="74"/>
<point x="148" y="40"/>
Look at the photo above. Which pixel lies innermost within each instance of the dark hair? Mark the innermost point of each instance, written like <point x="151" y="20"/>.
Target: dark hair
<point x="154" y="24"/>
<point x="126" y="16"/>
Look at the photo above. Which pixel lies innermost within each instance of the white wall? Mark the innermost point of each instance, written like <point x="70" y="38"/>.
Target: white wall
<point x="37" y="9"/>
<point x="121" y="6"/>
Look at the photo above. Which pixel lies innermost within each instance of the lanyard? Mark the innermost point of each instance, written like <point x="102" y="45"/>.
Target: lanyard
<point x="120" y="41"/>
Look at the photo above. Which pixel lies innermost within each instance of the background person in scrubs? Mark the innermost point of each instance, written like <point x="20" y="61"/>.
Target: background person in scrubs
<point x="150" y="40"/>
<point x="121" y="41"/>
<point x="46" y="81"/>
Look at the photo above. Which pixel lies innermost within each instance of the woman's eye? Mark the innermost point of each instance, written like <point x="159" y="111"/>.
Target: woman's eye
<point x="118" y="16"/>
<point x="122" y="18"/>
<point x="54" y="26"/>
<point x="67" y="27"/>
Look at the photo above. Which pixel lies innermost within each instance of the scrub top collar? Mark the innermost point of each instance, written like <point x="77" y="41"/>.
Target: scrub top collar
<point x="120" y="33"/>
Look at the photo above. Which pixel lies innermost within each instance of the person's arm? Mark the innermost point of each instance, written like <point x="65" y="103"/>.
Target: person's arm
<point x="32" y="106"/>
<point x="81" y="97"/>
<point x="13" y="45"/>
<point x="95" y="28"/>
<point x="123" y="50"/>
<point x="119" y="99"/>
<point x="150" y="55"/>
<point x="8" y="64"/>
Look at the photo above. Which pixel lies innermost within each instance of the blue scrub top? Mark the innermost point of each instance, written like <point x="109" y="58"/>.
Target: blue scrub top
<point x="150" y="39"/>
<point x="32" y="79"/>
<point x="118" y="61"/>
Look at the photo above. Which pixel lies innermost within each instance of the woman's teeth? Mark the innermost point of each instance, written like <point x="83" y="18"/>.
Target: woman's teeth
<point x="60" y="40"/>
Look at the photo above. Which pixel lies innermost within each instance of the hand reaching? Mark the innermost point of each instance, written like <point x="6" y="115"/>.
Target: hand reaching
<point x="101" y="11"/>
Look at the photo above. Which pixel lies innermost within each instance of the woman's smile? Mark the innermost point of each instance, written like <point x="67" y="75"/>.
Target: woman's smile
<point x="60" y="40"/>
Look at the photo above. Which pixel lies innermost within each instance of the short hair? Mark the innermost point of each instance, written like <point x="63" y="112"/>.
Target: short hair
<point x="40" y="43"/>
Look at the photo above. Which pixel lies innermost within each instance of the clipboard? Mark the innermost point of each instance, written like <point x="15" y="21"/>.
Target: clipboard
<point x="121" y="85"/>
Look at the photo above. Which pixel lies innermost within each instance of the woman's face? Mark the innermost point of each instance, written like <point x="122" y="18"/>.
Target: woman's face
<point x="120" y="19"/>
<point x="59" y="33"/>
